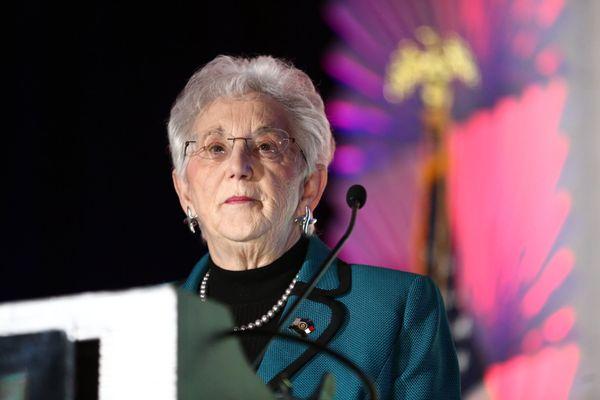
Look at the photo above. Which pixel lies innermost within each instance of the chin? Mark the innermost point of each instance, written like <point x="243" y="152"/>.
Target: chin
<point x="244" y="233"/>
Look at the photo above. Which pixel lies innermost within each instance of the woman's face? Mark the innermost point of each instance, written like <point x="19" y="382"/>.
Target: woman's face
<point x="243" y="197"/>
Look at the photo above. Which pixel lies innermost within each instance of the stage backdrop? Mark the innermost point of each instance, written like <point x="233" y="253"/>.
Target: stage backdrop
<point x="474" y="124"/>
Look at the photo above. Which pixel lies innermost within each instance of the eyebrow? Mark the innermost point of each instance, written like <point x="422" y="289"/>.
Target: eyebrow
<point x="221" y="132"/>
<point x="211" y="131"/>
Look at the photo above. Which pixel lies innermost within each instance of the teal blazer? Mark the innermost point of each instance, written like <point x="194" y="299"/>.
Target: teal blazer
<point x="391" y="324"/>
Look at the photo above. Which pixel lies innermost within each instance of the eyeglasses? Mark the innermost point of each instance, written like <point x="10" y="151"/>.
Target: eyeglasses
<point x="265" y="143"/>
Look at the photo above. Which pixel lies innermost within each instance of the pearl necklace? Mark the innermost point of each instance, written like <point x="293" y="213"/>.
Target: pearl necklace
<point x="265" y="317"/>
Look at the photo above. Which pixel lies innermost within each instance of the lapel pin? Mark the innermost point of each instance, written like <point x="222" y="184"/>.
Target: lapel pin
<point x="302" y="326"/>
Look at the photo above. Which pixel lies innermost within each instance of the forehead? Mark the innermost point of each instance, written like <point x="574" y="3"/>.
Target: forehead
<point x="249" y="112"/>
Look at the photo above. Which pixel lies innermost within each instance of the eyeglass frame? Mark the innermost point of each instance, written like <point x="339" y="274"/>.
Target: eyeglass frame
<point x="245" y="139"/>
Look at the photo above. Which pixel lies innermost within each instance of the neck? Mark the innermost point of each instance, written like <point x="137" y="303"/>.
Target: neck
<point x="240" y="256"/>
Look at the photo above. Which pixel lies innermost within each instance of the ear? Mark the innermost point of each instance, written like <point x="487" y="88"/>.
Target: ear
<point x="182" y="189"/>
<point x="314" y="186"/>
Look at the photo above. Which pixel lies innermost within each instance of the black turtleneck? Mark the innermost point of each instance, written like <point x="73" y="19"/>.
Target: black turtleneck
<point x="251" y="293"/>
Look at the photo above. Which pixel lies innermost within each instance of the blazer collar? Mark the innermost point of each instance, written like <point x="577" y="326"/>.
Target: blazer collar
<point x="329" y="285"/>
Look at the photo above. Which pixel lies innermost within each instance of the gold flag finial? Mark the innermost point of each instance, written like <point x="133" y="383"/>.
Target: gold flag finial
<point x="432" y="63"/>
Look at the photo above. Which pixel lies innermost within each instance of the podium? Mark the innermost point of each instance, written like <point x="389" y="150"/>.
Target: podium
<point x="145" y="343"/>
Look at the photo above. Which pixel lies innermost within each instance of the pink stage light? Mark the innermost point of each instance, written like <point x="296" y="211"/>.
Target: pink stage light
<point x="552" y="277"/>
<point x="558" y="325"/>
<point x="506" y="209"/>
<point x="547" y="375"/>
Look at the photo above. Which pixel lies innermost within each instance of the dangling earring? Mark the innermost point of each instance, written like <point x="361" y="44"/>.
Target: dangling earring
<point x="306" y="221"/>
<point x="191" y="221"/>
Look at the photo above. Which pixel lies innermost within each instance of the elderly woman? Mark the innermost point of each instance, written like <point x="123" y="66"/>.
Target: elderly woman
<point x="250" y="145"/>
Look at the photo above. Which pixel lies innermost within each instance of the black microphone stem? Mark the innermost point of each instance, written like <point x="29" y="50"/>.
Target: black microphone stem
<point x="323" y="269"/>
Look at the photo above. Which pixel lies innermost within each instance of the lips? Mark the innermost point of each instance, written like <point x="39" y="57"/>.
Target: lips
<point x="239" y="200"/>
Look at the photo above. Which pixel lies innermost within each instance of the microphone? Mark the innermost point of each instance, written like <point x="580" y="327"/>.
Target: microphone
<point x="356" y="196"/>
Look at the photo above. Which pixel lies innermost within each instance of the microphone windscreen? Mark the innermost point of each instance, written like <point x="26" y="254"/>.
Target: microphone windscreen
<point x="356" y="196"/>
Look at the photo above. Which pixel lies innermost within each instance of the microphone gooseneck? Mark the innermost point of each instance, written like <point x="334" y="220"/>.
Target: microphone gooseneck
<point x="356" y="196"/>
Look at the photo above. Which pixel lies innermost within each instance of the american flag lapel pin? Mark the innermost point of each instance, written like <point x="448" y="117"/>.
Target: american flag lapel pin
<point x="302" y="326"/>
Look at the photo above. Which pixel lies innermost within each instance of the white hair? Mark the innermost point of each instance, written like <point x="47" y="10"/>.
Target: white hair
<point x="226" y="77"/>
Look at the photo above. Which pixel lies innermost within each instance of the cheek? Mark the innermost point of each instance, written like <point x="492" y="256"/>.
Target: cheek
<point x="285" y="194"/>
<point x="201" y="187"/>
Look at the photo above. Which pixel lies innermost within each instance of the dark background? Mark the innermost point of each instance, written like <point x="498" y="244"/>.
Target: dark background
<point x="88" y="201"/>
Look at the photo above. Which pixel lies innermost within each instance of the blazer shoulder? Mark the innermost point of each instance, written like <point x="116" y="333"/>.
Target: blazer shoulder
<point x="385" y="284"/>
<point x="384" y="275"/>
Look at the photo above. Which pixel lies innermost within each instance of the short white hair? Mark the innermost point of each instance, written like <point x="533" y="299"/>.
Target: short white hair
<point x="226" y="77"/>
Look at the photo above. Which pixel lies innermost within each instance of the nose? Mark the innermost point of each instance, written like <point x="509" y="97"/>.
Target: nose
<point x="240" y="161"/>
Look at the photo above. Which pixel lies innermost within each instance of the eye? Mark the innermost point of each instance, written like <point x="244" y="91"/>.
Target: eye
<point x="215" y="149"/>
<point x="267" y="146"/>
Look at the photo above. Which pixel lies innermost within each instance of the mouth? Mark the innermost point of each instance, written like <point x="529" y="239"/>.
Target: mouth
<point x="239" y="200"/>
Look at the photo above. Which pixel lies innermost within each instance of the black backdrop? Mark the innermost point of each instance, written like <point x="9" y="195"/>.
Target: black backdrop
<point x="88" y="202"/>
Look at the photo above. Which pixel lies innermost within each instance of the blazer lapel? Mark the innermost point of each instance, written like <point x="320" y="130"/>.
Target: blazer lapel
<point x="192" y="283"/>
<point x="284" y="357"/>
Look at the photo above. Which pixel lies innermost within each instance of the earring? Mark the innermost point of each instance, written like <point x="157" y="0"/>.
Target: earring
<point x="306" y="221"/>
<point x="191" y="221"/>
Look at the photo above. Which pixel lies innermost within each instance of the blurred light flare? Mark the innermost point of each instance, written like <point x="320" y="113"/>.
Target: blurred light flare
<point x="547" y="61"/>
<point x="352" y="73"/>
<point x="347" y="115"/>
<point x="348" y="160"/>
